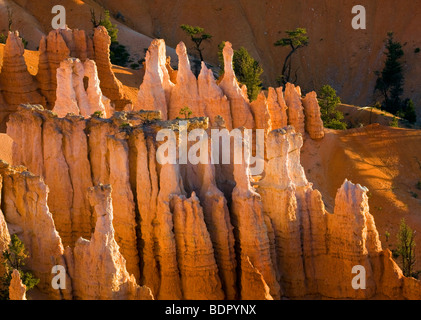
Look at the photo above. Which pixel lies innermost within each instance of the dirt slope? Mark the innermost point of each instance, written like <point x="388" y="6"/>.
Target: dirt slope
<point x="337" y="54"/>
<point x="386" y="160"/>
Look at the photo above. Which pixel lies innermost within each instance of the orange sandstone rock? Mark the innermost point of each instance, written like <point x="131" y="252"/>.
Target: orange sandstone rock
<point x="214" y="102"/>
<point x="240" y="108"/>
<point x="26" y="211"/>
<point x="17" y="84"/>
<point x="155" y="90"/>
<point x="295" y="108"/>
<point x="71" y="94"/>
<point x="111" y="87"/>
<point x="185" y="92"/>
<point x="251" y="232"/>
<point x="99" y="268"/>
<point x="276" y="108"/>
<point x="195" y="254"/>
<point x="313" y="120"/>
<point x="123" y="202"/>
<point x="17" y="290"/>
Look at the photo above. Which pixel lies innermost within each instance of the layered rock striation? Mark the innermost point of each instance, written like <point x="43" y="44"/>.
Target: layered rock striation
<point x="178" y="233"/>
<point x="204" y="96"/>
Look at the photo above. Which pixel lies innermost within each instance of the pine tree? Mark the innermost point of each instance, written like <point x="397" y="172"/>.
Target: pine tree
<point x="390" y="80"/>
<point x="296" y="39"/>
<point x="329" y="101"/>
<point x="406" y="248"/>
<point x="118" y="53"/>
<point x="186" y="112"/>
<point x="111" y="28"/>
<point x="409" y="113"/>
<point x="197" y="36"/>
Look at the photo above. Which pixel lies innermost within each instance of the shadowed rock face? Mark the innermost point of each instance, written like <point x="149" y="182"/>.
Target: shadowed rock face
<point x="170" y="226"/>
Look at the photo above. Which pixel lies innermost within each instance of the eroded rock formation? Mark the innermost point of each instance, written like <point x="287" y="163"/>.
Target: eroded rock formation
<point x="277" y="108"/>
<point x="166" y="214"/>
<point x="313" y="123"/>
<point x="212" y="98"/>
<point x="185" y="92"/>
<point x="71" y="94"/>
<point x="17" y="84"/>
<point x="227" y="98"/>
<point x="26" y="212"/>
<point x="58" y="45"/>
<point x="155" y="90"/>
<point x="240" y="108"/>
<point x="110" y="85"/>
<point x="295" y="108"/>
<point x="17" y="290"/>
<point x="99" y="269"/>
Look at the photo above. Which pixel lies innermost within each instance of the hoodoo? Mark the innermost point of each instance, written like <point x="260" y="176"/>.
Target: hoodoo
<point x="89" y="192"/>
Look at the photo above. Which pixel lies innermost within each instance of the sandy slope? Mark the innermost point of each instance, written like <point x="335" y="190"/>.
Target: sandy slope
<point x="386" y="160"/>
<point x="337" y="55"/>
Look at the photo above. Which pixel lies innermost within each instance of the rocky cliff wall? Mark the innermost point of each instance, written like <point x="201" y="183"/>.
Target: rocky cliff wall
<point x="271" y="239"/>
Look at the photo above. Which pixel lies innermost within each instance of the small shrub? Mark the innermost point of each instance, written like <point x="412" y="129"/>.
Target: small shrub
<point x="97" y="114"/>
<point x="387" y="234"/>
<point x="395" y="253"/>
<point x="186" y="112"/>
<point x="417" y="50"/>
<point x="3" y="38"/>
<point x="418" y="185"/>
<point x="394" y="123"/>
<point x="409" y="113"/>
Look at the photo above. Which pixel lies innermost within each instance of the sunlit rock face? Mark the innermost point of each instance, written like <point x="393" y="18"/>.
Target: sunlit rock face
<point x="240" y="108"/>
<point x="155" y="90"/>
<point x="99" y="269"/>
<point x="17" y="290"/>
<point x="90" y="193"/>
<point x="72" y="97"/>
<point x="313" y="120"/>
<point x="227" y="98"/>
